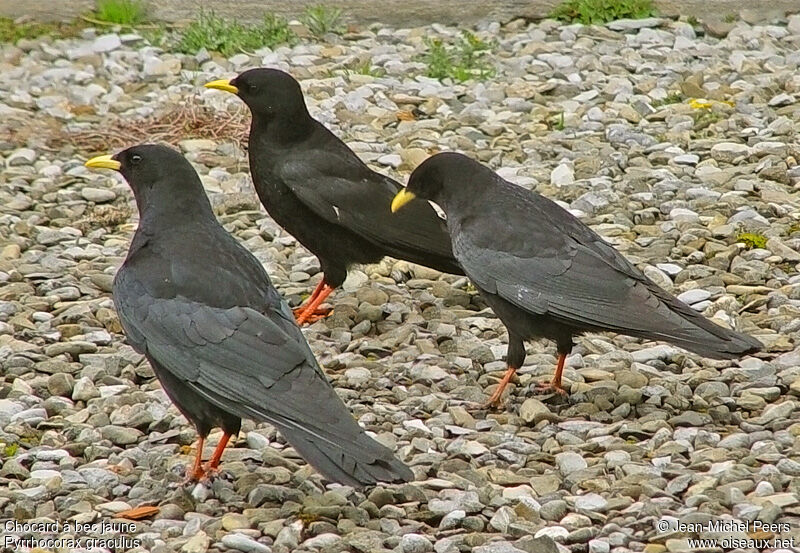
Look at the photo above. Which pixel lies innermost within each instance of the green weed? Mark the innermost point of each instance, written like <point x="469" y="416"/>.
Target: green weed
<point x="464" y="60"/>
<point x="229" y="37"/>
<point x="595" y="12"/>
<point x="321" y="20"/>
<point x="121" y="12"/>
<point x="363" y="68"/>
<point x="671" y="98"/>
<point x="752" y="240"/>
<point x="9" y="450"/>
<point x="557" y="122"/>
<point x="703" y="118"/>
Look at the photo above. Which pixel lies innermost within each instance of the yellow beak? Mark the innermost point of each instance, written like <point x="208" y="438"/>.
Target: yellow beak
<point x="401" y="199"/>
<point x="222" y="84"/>
<point x="103" y="162"/>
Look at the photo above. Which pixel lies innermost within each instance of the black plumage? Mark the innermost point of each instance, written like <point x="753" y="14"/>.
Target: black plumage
<point x="546" y="274"/>
<point x="221" y="340"/>
<point x="317" y="189"/>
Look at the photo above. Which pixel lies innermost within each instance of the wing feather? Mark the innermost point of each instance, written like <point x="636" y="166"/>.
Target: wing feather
<point x="344" y="191"/>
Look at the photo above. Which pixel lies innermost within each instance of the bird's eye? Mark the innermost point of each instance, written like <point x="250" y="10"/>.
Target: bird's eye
<point x="136" y="158"/>
<point x="252" y="87"/>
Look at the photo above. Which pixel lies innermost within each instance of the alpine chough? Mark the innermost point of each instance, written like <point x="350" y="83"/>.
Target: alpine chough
<point x="317" y="189"/>
<point x="221" y="340"/>
<point x="546" y="274"/>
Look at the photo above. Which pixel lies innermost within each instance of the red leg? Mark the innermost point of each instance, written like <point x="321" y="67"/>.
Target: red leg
<point x="312" y="297"/>
<point x="555" y="384"/>
<point x="318" y="313"/>
<point x="213" y="463"/>
<point x="197" y="472"/>
<point x="496" y="399"/>
<point x="310" y="310"/>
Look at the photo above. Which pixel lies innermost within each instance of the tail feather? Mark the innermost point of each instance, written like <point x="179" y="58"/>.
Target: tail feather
<point x="359" y="464"/>
<point x="690" y="330"/>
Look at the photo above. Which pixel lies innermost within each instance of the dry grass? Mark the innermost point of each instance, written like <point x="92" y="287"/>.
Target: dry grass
<point x="186" y="121"/>
<point x="103" y="216"/>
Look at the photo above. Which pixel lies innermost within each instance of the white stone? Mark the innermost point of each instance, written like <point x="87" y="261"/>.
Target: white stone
<point x="197" y="144"/>
<point x="106" y="43"/>
<point x="591" y="502"/>
<point x="686" y="159"/>
<point x="729" y="151"/>
<point x="670" y="268"/>
<point x="694" y="296"/>
<point x="22" y="156"/>
<point x="569" y="462"/>
<point x="390" y="160"/>
<point x="562" y="175"/>
<point x="156" y="67"/>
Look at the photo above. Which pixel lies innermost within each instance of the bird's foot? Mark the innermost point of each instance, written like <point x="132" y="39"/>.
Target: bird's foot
<point x="496" y="400"/>
<point x="210" y="472"/>
<point x="547" y="388"/>
<point x="194" y="475"/>
<point x="303" y="316"/>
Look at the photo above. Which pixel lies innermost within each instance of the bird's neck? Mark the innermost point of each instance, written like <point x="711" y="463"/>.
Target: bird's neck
<point x="179" y="210"/>
<point x="281" y="128"/>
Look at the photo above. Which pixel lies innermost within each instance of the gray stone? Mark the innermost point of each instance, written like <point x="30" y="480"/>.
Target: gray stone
<point x="22" y="156"/>
<point x="240" y="542"/>
<point x="106" y="43"/>
<point x="98" y="195"/>
<point x="415" y="543"/>
<point x="569" y="462"/>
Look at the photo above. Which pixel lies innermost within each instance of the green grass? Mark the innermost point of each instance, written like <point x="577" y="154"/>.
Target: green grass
<point x="464" y="60"/>
<point x="10" y="450"/>
<point x="703" y="118"/>
<point x="596" y="12"/>
<point x="671" y="98"/>
<point x="362" y="68"/>
<point x="692" y="20"/>
<point x="752" y="240"/>
<point x="11" y="31"/>
<point x="121" y="12"/>
<point x="321" y="20"/>
<point x="557" y="122"/>
<point x="730" y="18"/>
<point x="230" y="37"/>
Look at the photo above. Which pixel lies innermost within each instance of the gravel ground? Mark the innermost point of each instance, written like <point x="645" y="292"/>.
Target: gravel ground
<point x="586" y="115"/>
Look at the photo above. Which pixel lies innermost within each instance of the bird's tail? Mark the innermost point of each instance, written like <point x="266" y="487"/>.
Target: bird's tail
<point x="363" y="463"/>
<point x="701" y="335"/>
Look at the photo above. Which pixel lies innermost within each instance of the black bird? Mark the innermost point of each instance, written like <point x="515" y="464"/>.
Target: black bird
<point x="546" y="274"/>
<point x="317" y="189"/>
<point x="221" y="340"/>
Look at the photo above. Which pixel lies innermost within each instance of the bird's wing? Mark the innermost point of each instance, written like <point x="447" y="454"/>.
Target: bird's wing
<point x="245" y="362"/>
<point x="341" y="189"/>
<point x="546" y="262"/>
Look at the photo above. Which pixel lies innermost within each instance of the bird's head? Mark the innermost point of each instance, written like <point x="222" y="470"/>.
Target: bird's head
<point x="155" y="173"/>
<point x="267" y="92"/>
<point x="436" y="178"/>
